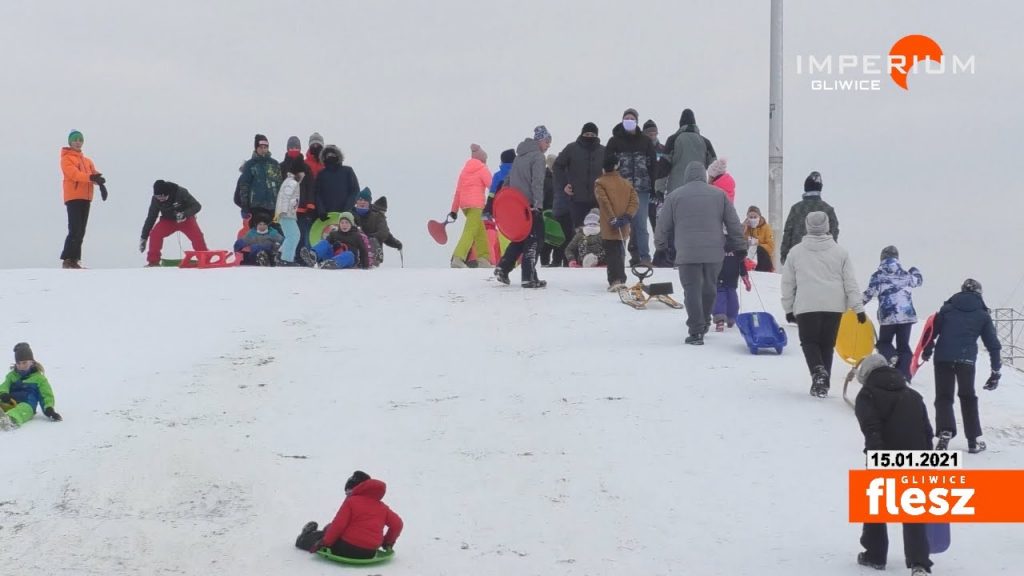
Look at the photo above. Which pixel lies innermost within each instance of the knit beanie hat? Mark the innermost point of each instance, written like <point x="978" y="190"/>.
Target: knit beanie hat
<point x="316" y="138"/>
<point x="717" y="168"/>
<point x="631" y="112"/>
<point x="890" y="252"/>
<point x="971" y="285"/>
<point x="475" y="151"/>
<point x="347" y="216"/>
<point x="75" y="135"/>
<point x="161" y="188"/>
<point x="687" y="118"/>
<point x="22" y="352"/>
<point x="357" y="478"/>
<point x="589" y="127"/>
<point x="813" y="182"/>
<point x="365" y="194"/>
<point x="869" y="365"/>
<point x="294" y="143"/>
<point x="260" y="139"/>
<point x="591" y="223"/>
<point x="508" y="156"/>
<point x="817" y="223"/>
<point x="541" y="133"/>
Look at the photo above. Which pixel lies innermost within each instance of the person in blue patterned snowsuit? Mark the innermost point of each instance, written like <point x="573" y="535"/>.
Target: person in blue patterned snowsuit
<point x="891" y="284"/>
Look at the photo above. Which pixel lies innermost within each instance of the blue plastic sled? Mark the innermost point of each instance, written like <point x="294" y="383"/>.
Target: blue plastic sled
<point x="760" y="330"/>
<point x="938" y="538"/>
<point x="382" y="556"/>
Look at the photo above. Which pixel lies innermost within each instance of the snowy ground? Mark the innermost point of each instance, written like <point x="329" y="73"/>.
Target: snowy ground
<point x="209" y="414"/>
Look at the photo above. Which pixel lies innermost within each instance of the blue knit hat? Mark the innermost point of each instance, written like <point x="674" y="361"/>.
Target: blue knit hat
<point x="541" y="133"/>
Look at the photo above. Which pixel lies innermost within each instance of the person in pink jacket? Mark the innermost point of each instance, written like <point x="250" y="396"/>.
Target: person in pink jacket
<point x="720" y="178"/>
<point x="470" y="196"/>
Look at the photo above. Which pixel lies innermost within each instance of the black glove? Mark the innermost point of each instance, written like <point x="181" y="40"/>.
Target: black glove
<point x="993" y="381"/>
<point x="142" y="245"/>
<point x="790" y="318"/>
<point x="453" y="216"/>
<point x="52" y="415"/>
<point x="103" y="192"/>
<point x="179" y="216"/>
<point x="6" y="399"/>
<point x="398" y="245"/>
<point x="98" y="179"/>
<point x="861" y="317"/>
<point x="926" y="354"/>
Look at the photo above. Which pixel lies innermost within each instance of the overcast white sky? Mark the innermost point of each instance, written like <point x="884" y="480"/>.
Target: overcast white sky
<point x="177" y="90"/>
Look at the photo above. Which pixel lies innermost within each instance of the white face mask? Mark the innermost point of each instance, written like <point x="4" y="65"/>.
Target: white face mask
<point x="591" y="230"/>
<point x="753" y="222"/>
<point x="629" y="125"/>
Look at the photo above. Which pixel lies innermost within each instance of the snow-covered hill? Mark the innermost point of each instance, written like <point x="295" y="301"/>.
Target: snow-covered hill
<point x="209" y="414"/>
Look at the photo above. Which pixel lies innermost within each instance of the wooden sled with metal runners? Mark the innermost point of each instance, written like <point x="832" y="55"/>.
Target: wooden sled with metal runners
<point x="639" y="294"/>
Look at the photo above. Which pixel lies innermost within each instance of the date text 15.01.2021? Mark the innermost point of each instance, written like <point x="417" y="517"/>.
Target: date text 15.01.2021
<point x="912" y="459"/>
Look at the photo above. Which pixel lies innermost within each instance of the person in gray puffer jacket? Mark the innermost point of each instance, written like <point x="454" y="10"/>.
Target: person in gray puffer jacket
<point x="527" y="178"/>
<point x="691" y="222"/>
<point x="685" y="146"/>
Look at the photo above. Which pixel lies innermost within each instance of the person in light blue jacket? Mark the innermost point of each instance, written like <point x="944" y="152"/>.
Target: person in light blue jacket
<point x="891" y="284"/>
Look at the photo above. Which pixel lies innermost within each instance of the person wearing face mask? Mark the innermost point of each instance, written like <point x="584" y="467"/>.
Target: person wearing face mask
<point x="759" y="235"/>
<point x="575" y="170"/>
<point x="372" y="219"/>
<point x="685" y="146"/>
<point x="336" y="185"/>
<point x="260" y="181"/>
<point x="637" y="161"/>
<point x="586" y="249"/>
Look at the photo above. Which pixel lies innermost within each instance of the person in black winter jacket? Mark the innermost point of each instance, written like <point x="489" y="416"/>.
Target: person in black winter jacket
<point x="576" y="169"/>
<point x="892" y="416"/>
<point x="637" y="163"/>
<point x="177" y="210"/>
<point x="336" y="186"/>
<point x="957" y="326"/>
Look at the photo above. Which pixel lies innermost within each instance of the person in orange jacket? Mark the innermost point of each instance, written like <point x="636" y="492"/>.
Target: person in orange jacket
<point x="80" y="176"/>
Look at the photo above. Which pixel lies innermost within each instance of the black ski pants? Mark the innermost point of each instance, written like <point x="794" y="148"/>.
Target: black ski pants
<point x="949" y="376"/>
<point x="527" y="248"/>
<point x="875" y="540"/>
<point x="615" y="260"/>
<point x="78" y="218"/>
<point x="901" y="333"/>
<point x="340" y="548"/>
<point x="818" y="331"/>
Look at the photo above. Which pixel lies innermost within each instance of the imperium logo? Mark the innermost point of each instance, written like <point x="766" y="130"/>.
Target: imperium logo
<point x="913" y="54"/>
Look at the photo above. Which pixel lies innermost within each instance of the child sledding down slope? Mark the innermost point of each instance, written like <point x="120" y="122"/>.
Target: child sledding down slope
<point x="343" y="248"/>
<point x="358" y="529"/>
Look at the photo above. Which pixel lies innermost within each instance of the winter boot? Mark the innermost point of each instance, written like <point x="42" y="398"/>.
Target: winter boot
<point x="309" y="527"/>
<point x="328" y="264"/>
<point x="616" y="287"/>
<point x="152" y="265"/>
<point x="483" y="263"/>
<point x="695" y="339"/>
<point x="535" y="284"/>
<point x="307" y="256"/>
<point x="919" y="571"/>
<point x="502" y="276"/>
<point x="819" y="382"/>
<point x="458" y="262"/>
<point x="719" y="326"/>
<point x="276" y="260"/>
<point x="862" y="559"/>
<point x="70" y="265"/>
<point x="977" y="446"/>
<point x="262" y="258"/>
<point x="944" y="438"/>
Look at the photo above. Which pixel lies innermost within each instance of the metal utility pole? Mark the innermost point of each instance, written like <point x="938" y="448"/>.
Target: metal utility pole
<point x="775" y="206"/>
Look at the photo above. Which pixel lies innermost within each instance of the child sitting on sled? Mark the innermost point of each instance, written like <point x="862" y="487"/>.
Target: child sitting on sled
<point x="358" y="529"/>
<point x="343" y="248"/>
<point x="260" y="246"/>
<point x="24" y="389"/>
<point x="585" y="249"/>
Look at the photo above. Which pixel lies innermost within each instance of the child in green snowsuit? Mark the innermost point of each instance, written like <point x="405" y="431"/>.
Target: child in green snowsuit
<point x="24" y="389"/>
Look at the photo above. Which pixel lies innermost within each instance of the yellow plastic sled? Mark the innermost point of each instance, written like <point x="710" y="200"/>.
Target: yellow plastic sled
<point x="855" y="342"/>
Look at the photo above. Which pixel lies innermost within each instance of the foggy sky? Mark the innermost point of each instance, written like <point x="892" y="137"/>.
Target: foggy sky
<point x="177" y="91"/>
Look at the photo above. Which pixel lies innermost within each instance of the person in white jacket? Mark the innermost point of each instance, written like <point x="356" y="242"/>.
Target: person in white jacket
<point x="285" y="212"/>
<point x="818" y="286"/>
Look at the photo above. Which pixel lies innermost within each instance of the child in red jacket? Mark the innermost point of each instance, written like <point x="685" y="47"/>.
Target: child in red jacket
<point x="357" y="530"/>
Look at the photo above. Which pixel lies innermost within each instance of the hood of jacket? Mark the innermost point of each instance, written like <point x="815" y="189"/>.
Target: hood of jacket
<point x="817" y="243"/>
<point x="887" y="379"/>
<point x="323" y="154"/>
<point x="371" y="488"/>
<point x="527" y="146"/>
<point x="380" y="204"/>
<point x="967" y="302"/>
<point x="695" y="172"/>
<point x="890" y="266"/>
<point x="727" y="184"/>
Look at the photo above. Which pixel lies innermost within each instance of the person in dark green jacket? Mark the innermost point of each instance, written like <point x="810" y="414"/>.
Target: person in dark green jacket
<point x="24" y="389"/>
<point x="372" y="219"/>
<point x="811" y="202"/>
<point x="260" y="180"/>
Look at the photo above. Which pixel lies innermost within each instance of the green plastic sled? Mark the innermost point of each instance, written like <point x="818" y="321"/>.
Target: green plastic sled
<point x="382" y="556"/>
<point x="553" y="234"/>
<point x="170" y="262"/>
<point x="316" y="230"/>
